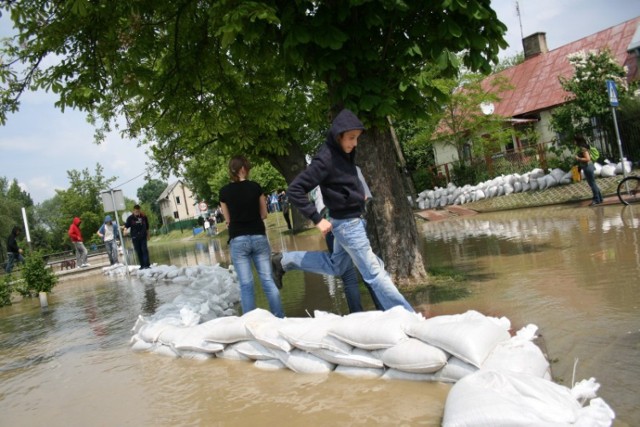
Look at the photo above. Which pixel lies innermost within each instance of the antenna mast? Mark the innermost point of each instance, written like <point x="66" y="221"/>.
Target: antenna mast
<point x="519" y="18"/>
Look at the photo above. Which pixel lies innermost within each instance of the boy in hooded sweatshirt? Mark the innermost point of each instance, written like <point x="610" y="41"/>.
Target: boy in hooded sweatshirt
<point x="334" y="170"/>
<point x="76" y="237"/>
<point x="108" y="232"/>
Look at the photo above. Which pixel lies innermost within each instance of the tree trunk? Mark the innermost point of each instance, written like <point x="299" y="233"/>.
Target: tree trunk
<point x="290" y="165"/>
<point x="391" y="225"/>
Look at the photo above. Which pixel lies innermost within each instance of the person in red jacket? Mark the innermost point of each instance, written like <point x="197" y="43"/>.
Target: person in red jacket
<point x="76" y="237"/>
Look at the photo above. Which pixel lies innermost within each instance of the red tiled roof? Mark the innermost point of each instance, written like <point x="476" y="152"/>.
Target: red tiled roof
<point x="535" y="81"/>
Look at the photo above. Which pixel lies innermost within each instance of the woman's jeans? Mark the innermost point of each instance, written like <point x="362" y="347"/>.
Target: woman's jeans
<point x="590" y="175"/>
<point x="351" y="246"/>
<point x="254" y="248"/>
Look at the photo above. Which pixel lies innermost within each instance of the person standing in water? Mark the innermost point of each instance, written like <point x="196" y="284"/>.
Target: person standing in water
<point x="244" y="208"/>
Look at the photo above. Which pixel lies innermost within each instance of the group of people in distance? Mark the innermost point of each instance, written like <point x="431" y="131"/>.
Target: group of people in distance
<point x="136" y="225"/>
<point x="334" y="172"/>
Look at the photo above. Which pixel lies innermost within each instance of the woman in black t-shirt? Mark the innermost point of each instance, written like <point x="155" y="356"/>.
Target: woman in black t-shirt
<point x="244" y="209"/>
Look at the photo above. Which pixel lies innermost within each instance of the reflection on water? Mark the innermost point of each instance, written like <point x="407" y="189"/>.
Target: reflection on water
<point x="573" y="272"/>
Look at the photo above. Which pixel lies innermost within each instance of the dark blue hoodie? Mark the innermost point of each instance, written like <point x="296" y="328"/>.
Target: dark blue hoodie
<point x="335" y="172"/>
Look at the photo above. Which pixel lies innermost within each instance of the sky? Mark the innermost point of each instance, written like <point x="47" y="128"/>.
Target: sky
<point x="39" y="144"/>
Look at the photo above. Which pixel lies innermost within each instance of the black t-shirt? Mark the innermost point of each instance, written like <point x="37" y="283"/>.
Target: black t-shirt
<point x="243" y="201"/>
<point x="138" y="226"/>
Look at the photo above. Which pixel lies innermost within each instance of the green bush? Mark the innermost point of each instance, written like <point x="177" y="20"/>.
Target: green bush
<point x="5" y="290"/>
<point x="36" y="275"/>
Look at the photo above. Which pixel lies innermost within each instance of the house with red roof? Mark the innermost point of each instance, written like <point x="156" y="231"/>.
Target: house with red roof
<point x="535" y="82"/>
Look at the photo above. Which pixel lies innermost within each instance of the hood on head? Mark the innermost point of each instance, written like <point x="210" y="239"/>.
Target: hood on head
<point x="15" y="230"/>
<point x="344" y="121"/>
<point x="77" y="221"/>
<point x="107" y="218"/>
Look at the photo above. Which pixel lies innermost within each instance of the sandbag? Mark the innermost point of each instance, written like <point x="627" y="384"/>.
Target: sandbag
<point x="470" y="336"/>
<point x="374" y="329"/>
<point x="492" y="398"/>
<point x="358" y="358"/>
<point x="269" y="364"/>
<point x="232" y="329"/>
<point x="354" y="372"/>
<point x="414" y="356"/>
<point x="519" y="354"/>
<point x="304" y="363"/>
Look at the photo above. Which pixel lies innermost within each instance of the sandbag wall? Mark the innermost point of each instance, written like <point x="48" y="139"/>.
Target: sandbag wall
<point x="504" y="185"/>
<point x="499" y="379"/>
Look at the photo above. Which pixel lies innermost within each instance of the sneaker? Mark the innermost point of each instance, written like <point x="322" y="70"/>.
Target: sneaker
<point x="277" y="270"/>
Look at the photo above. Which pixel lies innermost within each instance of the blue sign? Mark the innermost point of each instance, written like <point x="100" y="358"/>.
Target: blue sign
<point x="613" y="93"/>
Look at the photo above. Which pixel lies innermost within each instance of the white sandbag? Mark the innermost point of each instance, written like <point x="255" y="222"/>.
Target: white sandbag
<point x="542" y="183"/>
<point x="607" y="171"/>
<point x="141" y="345"/>
<point x="470" y="336"/>
<point x="353" y="372"/>
<point x="164" y="350"/>
<point x="536" y="173"/>
<point x="394" y="374"/>
<point x="626" y="165"/>
<point x="480" y="195"/>
<point x="304" y="363"/>
<point x="254" y="350"/>
<point x="230" y="353"/>
<point x="550" y="181"/>
<point x="232" y="329"/>
<point x="374" y="329"/>
<point x="519" y="354"/>
<point x="267" y="334"/>
<point x="312" y="334"/>
<point x="598" y="168"/>
<point x="192" y="340"/>
<point x="508" y="189"/>
<point x="269" y="365"/>
<point x="517" y="187"/>
<point x="195" y="355"/>
<point x="557" y="174"/>
<point x="416" y="356"/>
<point x="454" y="371"/>
<point x="533" y="184"/>
<point x="358" y="358"/>
<point x="526" y="186"/>
<point x="492" y="398"/>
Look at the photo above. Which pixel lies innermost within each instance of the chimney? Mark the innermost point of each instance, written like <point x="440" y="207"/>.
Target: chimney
<point x="534" y="45"/>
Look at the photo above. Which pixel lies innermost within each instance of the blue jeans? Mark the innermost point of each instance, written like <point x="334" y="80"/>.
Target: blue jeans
<point x="590" y="174"/>
<point x="351" y="246"/>
<point x="244" y="250"/>
<point x="112" y="251"/>
<point x="351" y="285"/>
<point x="11" y="259"/>
<point x="140" y="245"/>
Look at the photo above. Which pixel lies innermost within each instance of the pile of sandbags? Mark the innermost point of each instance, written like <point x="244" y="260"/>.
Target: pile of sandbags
<point x="393" y="344"/>
<point x="207" y="292"/>
<point x="504" y="185"/>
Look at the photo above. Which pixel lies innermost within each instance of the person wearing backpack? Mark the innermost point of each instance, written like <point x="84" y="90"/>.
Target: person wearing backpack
<point x="586" y="162"/>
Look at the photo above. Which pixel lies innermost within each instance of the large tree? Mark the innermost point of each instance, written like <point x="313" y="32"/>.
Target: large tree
<point x="243" y="76"/>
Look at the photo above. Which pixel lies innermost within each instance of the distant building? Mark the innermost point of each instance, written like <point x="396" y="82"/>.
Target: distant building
<point x="536" y="85"/>
<point x="177" y="202"/>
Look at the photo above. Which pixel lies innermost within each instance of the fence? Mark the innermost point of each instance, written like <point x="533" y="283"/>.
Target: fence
<point x="183" y="225"/>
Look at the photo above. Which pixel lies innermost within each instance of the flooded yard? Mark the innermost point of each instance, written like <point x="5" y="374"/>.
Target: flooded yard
<point x="573" y="272"/>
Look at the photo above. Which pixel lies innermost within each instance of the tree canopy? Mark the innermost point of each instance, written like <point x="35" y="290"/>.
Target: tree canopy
<point x="211" y="77"/>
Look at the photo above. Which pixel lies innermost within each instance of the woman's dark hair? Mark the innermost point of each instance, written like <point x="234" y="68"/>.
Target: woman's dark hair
<point x="235" y="164"/>
<point x="580" y="141"/>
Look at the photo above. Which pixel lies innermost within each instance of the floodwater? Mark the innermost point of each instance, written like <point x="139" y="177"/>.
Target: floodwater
<point x="571" y="271"/>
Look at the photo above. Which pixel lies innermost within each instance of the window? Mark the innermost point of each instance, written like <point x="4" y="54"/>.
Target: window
<point x="177" y="200"/>
<point x="175" y="214"/>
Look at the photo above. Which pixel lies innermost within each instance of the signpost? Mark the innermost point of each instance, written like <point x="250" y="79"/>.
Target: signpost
<point x="612" y="91"/>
